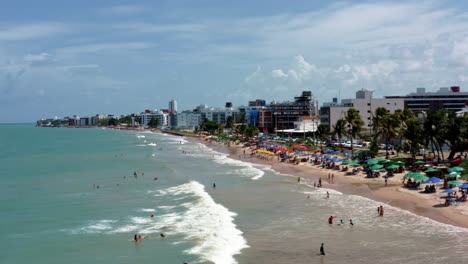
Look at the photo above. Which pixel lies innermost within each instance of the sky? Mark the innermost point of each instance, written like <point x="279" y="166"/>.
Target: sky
<point x="59" y="58"/>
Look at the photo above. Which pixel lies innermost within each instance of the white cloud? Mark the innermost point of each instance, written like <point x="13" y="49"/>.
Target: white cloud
<point x="459" y="54"/>
<point x="301" y="70"/>
<point x="37" y="57"/>
<point x="253" y="75"/>
<point x="278" y="73"/>
<point x="123" y="10"/>
<point x="31" y="31"/>
<point x="140" y="27"/>
<point x="104" y="47"/>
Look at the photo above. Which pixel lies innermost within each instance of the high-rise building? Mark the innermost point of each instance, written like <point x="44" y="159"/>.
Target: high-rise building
<point x="286" y="113"/>
<point x="172" y="106"/>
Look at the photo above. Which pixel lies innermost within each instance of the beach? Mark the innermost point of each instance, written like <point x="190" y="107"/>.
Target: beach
<point x="427" y="205"/>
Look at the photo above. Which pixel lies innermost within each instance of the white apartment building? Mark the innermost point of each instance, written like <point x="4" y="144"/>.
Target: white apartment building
<point x="172" y="107"/>
<point x="363" y="103"/>
<point x="219" y="115"/>
<point x="188" y="120"/>
<point x="163" y="118"/>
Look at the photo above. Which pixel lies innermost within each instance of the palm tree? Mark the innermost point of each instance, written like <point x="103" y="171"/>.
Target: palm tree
<point x="355" y="123"/>
<point x="339" y="129"/>
<point x="377" y="122"/>
<point x="414" y="136"/>
<point x="322" y="133"/>
<point x="435" y="126"/>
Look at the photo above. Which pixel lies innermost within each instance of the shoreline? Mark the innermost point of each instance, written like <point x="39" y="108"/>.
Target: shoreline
<point x="425" y="205"/>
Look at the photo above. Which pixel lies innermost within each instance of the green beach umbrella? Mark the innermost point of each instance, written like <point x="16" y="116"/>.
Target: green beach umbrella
<point x="419" y="162"/>
<point x="393" y="166"/>
<point x="376" y="167"/>
<point x="456" y="169"/>
<point x="411" y="175"/>
<point x="399" y="162"/>
<point x="430" y="170"/>
<point x="346" y="162"/>
<point x="456" y="183"/>
<point x="420" y="177"/>
<point x="354" y="164"/>
<point x="372" y="162"/>
<point x="453" y="174"/>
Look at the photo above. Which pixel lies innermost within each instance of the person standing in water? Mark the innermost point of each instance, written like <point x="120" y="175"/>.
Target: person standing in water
<point x="381" y="211"/>
<point x="322" y="250"/>
<point x="320" y="182"/>
<point x="351" y="222"/>
<point x="342" y="222"/>
<point x="298" y="179"/>
<point x="330" y="219"/>
<point x="214" y="185"/>
<point x="328" y="195"/>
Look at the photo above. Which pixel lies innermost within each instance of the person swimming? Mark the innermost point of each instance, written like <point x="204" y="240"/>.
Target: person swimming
<point x="135" y="237"/>
<point x="162" y="235"/>
<point x="342" y="222"/>
<point x="351" y="222"/>
<point x="152" y="215"/>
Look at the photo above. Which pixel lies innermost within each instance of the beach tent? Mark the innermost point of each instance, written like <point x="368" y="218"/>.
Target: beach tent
<point x="433" y="180"/>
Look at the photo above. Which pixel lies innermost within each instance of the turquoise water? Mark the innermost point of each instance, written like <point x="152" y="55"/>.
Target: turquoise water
<point x="52" y="211"/>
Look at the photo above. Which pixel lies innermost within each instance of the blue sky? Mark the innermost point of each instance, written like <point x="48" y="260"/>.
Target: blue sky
<point x="61" y="58"/>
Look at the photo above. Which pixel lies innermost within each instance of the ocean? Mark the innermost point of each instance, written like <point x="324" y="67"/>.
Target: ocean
<point x="71" y="196"/>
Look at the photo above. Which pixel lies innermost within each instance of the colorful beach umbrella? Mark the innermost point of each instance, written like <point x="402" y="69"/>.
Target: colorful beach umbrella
<point x="433" y="180"/>
<point x="430" y="170"/>
<point x="376" y="167"/>
<point x="456" y="183"/>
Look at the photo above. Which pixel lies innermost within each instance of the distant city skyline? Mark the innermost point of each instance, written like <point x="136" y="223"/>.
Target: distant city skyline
<point x="61" y="58"/>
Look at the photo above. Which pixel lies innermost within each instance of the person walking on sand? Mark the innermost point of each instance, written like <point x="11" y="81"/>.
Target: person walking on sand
<point x="333" y="178"/>
<point x="386" y="181"/>
<point x="322" y="250"/>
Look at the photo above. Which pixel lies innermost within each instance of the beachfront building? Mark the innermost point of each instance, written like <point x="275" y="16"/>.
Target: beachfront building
<point x="172" y="107"/>
<point x="364" y="103"/>
<point x="284" y="114"/>
<point x="218" y="115"/>
<point x="303" y="125"/>
<point x="265" y="120"/>
<point x="252" y="114"/>
<point x="187" y="120"/>
<point x="163" y="117"/>
<point x="451" y="99"/>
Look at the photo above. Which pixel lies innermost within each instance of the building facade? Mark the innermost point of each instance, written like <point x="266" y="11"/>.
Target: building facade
<point x="446" y="98"/>
<point x="286" y="113"/>
<point x="162" y="117"/>
<point x="188" y="120"/>
<point x="172" y="107"/>
<point x="363" y="103"/>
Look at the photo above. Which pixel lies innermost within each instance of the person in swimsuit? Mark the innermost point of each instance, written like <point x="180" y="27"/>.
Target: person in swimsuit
<point x="322" y="250"/>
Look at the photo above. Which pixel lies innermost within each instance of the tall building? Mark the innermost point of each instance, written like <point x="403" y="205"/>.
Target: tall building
<point x="446" y="98"/>
<point x="365" y="105"/>
<point x="172" y="106"/>
<point x="286" y="113"/>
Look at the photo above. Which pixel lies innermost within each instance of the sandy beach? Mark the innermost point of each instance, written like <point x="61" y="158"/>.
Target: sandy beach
<point x="394" y="194"/>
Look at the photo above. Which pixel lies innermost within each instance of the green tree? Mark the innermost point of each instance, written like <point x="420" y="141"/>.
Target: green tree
<point x="113" y="121"/>
<point x="209" y="126"/>
<point x="354" y="124"/>
<point x="229" y="122"/>
<point x="435" y="126"/>
<point x="251" y="131"/>
<point x="339" y="129"/>
<point x="414" y="136"/>
<point x="154" y="122"/>
<point x="56" y="122"/>
<point x="456" y="134"/>
<point x="322" y="133"/>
